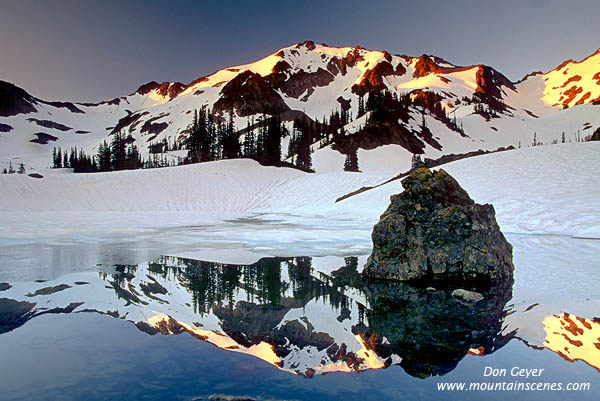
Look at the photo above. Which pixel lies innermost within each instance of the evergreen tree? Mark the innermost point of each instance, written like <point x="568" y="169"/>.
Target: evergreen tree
<point x="299" y="146"/>
<point x="21" y="169"/>
<point x="11" y="169"/>
<point x="351" y="163"/>
<point x="361" y="107"/>
<point x="272" y="146"/>
<point x="417" y="162"/>
<point x="231" y="142"/>
<point x="117" y="152"/>
<point x="133" y="160"/>
<point x="104" y="157"/>
<point x="249" y="141"/>
<point x="59" y="158"/>
<point x="73" y="158"/>
<point x="213" y="137"/>
<point x="204" y="136"/>
<point x="260" y="140"/>
<point x="197" y="142"/>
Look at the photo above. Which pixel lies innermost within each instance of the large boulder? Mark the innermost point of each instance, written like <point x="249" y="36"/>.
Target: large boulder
<point x="434" y="230"/>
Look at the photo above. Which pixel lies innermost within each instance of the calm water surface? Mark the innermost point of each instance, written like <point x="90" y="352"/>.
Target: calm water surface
<point x="293" y="328"/>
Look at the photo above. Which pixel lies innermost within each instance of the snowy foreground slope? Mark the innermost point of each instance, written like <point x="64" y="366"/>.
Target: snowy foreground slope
<point x="551" y="189"/>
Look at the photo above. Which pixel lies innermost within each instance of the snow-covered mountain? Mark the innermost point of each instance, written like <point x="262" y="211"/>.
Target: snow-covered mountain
<point x="449" y="108"/>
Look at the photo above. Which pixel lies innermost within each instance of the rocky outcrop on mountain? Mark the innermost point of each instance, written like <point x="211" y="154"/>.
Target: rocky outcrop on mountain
<point x="434" y="230"/>
<point x="248" y="94"/>
<point x="129" y="120"/>
<point x="166" y="89"/>
<point x="490" y="84"/>
<point x="373" y="79"/>
<point x="43" y="138"/>
<point x="426" y="65"/>
<point x="14" y="100"/>
<point x="49" y="124"/>
<point x="298" y="83"/>
<point x="152" y="128"/>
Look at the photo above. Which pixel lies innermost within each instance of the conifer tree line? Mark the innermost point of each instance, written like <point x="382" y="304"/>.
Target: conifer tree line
<point x="211" y="140"/>
<point x="11" y="170"/>
<point x="212" y="137"/>
<point x="120" y="154"/>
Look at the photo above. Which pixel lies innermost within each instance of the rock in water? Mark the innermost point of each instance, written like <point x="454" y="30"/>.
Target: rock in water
<point x="434" y="230"/>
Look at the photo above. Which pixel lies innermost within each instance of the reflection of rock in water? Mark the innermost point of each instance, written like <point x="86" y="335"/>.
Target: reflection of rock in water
<point x="431" y="330"/>
<point x="434" y="233"/>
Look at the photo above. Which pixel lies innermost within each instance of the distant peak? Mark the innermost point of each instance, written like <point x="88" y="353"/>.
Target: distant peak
<point x="147" y="88"/>
<point x="308" y="44"/>
<point x="170" y="89"/>
<point x="571" y="61"/>
<point x="531" y="74"/>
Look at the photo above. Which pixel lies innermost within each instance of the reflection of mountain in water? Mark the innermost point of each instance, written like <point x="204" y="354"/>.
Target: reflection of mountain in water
<point x="278" y="310"/>
<point x="574" y="338"/>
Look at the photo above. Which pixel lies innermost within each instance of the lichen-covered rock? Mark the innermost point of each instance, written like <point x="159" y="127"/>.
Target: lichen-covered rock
<point x="434" y="230"/>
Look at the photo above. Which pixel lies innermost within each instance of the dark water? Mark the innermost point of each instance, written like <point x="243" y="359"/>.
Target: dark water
<point x="178" y="328"/>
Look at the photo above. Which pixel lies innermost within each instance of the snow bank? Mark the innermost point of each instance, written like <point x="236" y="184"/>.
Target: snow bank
<point x="543" y="190"/>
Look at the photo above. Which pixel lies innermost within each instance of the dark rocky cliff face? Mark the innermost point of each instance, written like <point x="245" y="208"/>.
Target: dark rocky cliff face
<point x="434" y="230"/>
<point x="248" y="94"/>
<point x="14" y="100"/>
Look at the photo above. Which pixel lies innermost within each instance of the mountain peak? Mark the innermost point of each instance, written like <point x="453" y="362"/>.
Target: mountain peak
<point x="573" y="82"/>
<point x="165" y="89"/>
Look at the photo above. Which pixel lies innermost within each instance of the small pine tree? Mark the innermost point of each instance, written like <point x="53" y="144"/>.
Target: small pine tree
<point x="118" y="152"/>
<point x="416" y="162"/>
<point x="351" y="163"/>
<point x="361" y="107"/>
<point x="21" y="169"/>
<point x="103" y="157"/>
<point x="59" y="158"/>
<point x="231" y="142"/>
<point x="249" y="141"/>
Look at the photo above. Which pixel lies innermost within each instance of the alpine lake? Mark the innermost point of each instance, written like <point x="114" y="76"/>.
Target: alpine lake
<point x="84" y="319"/>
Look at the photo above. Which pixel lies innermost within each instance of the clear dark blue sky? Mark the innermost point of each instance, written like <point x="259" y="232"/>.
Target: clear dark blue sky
<point x="94" y="50"/>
